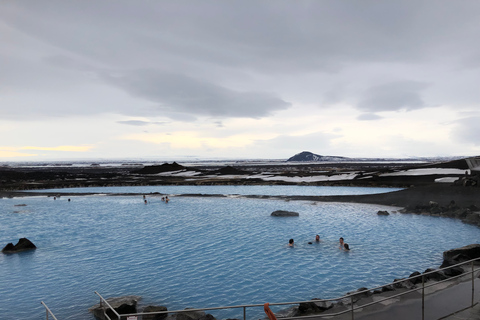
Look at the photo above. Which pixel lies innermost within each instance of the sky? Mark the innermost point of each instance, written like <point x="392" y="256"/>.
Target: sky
<point x="245" y="79"/>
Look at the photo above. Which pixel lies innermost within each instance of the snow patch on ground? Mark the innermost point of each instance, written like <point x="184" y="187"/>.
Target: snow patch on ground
<point x="422" y="172"/>
<point x="446" y="180"/>
<point x="178" y="173"/>
<point x="337" y="177"/>
<point x="268" y="176"/>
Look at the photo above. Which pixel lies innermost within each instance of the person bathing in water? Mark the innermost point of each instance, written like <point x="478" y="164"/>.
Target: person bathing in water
<point x="341" y="243"/>
<point x="346" y="247"/>
<point x="317" y="238"/>
<point x="290" y="243"/>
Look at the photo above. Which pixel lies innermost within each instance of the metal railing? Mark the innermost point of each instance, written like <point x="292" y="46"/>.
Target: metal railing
<point x="47" y="311"/>
<point x="103" y="301"/>
<point x="348" y="300"/>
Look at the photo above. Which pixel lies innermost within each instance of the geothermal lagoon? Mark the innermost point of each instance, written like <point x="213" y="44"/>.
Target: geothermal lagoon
<point x="203" y="252"/>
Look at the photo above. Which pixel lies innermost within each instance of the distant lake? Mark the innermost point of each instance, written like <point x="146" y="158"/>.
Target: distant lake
<point x="207" y="252"/>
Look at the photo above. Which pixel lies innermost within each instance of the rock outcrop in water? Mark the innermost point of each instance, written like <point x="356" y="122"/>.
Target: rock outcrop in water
<point x="23" y="244"/>
<point x="122" y="305"/>
<point x="470" y="214"/>
<point x="454" y="256"/>
<point x="160" y="316"/>
<point x="282" y="213"/>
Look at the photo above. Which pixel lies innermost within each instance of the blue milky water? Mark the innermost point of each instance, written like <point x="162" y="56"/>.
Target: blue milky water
<point x="205" y="252"/>
<point x="241" y="190"/>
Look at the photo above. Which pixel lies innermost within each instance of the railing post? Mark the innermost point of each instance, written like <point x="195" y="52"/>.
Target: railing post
<point x="351" y="301"/>
<point x="473" y="285"/>
<point x="244" y="313"/>
<point x="48" y="311"/>
<point x="423" y="297"/>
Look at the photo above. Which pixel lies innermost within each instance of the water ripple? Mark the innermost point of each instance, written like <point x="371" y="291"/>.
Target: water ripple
<point x="200" y="252"/>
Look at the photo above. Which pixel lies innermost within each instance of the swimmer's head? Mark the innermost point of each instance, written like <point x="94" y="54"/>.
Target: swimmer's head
<point x="346" y="246"/>
<point x="317" y="238"/>
<point x="290" y="241"/>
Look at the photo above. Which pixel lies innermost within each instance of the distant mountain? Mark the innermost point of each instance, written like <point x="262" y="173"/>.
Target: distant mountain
<point x="308" y="156"/>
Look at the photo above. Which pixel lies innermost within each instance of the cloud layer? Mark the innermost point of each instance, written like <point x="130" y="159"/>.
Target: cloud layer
<point x="296" y="68"/>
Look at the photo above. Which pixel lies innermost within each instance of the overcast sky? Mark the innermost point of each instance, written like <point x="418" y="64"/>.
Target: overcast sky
<point x="104" y="79"/>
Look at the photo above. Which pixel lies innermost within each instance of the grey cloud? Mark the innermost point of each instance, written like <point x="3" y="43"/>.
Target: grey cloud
<point x="408" y="147"/>
<point x="134" y="123"/>
<point x="211" y="54"/>
<point x="177" y="93"/>
<point x="283" y="36"/>
<point x="472" y="61"/>
<point x="139" y="123"/>
<point x="69" y="63"/>
<point x="176" y="116"/>
<point x="369" y="116"/>
<point x="467" y="130"/>
<point x="400" y="95"/>
<point x="317" y="142"/>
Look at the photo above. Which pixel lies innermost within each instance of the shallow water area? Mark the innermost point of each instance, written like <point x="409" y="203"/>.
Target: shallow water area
<point x="206" y="252"/>
<point x="269" y="190"/>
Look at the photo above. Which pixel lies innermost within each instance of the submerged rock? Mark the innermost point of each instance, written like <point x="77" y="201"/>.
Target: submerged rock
<point x="23" y="244"/>
<point x="282" y="213"/>
<point x="383" y="213"/>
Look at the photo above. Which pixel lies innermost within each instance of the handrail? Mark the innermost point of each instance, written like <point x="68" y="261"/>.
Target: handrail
<point x="400" y="294"/>
<point x="48" y="311"/>
<point x="102" y="299"/>
<point x="349" y="296"/>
